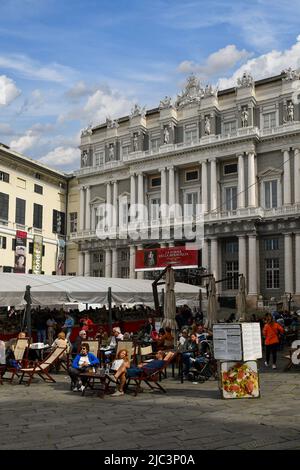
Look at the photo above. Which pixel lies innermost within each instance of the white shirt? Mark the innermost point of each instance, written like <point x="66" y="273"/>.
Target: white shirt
<point x="83" y="360"/>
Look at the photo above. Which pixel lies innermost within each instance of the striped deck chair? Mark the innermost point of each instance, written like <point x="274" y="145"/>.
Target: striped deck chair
<point x="20" y="354"/>
<point x="42" y="368"/>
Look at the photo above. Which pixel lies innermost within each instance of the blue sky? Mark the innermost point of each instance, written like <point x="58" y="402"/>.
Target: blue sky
<point x="66" y="64"/>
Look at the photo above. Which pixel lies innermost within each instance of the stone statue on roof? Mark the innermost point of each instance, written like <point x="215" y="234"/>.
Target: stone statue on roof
<point x="191" y="94"/>
<point x="137" y="110"/>
<point x="166" y="102"/>
<point x="87" y="131"/>
<point x="290" y="74"/>
<point x="111" y="123"/>
<point x="246" y="80"/>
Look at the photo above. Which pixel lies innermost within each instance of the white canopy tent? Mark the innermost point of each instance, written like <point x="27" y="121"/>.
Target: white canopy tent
<point x="50" y="290"/>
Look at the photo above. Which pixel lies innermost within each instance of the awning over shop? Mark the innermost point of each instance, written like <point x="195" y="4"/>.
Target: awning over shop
<point x="50" y="290"/>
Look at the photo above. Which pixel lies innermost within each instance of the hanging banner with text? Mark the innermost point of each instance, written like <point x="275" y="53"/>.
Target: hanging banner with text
<point x="37" y="254"/>
<point x="20" y="255"/>
<point x="159" y="258"/>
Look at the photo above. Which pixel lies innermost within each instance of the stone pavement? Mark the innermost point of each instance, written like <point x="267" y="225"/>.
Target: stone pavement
<point x="189" y="416"/>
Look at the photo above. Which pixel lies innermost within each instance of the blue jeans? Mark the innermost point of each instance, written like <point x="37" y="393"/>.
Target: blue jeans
<point x="186" y="356"/>
<point x="41" y="336"/>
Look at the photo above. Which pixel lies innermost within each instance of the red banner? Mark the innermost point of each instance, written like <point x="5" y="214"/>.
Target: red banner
<point x="159" y="258"/>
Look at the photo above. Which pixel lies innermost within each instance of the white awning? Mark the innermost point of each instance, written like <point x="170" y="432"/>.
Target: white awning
<point x="49" y="290"/>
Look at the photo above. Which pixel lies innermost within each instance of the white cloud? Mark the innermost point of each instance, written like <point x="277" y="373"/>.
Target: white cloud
<point x="217" y="62"/>
<point x="6" y="129"/>
<point x="8" y="90"/>
<point x="33" y="70"/>
<point x="266" y="65"/>
<point x="102" y="104"/>
<point x="79" y="90"/>
<point x="62" y="156"/>
<point x="25" y="142"/>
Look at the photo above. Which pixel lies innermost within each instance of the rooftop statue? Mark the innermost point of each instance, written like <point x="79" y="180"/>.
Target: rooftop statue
<point x="246" y="80"/>
<point x="209" y="91"/>
<point x="111" y="123"/>
<point x="166" y="102"/>
<point x="87" y="130"/>
<point x="290" y="74"/>
<point x="191" y="94"/>
<point x="137" y="111"/>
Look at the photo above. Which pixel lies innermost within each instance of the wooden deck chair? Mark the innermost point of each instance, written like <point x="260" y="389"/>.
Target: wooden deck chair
<point x="20" y="354"/>
<point x="150" y="376"/>
<point x="42" y="368"/>
<point x="146" y="352"/>
<point x="93" y="345"/>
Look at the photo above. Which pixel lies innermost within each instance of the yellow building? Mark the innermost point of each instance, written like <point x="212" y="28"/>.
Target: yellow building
<point x="32" y="215"/>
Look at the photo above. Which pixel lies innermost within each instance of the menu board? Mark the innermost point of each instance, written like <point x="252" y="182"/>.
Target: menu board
<point x="251" y="336"/>
<point x="237" y="342"/>
<point x="227" y="342"/>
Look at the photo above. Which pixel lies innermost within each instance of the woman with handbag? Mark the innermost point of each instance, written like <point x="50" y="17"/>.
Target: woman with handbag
<point x="271" y="332"/>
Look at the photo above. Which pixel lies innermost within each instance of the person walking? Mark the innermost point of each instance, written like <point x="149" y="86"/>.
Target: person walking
<point x="271" y="333"/>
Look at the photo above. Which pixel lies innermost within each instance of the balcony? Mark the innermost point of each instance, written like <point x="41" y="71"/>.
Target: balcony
<point x="95" y="169"/>
<point x="283" y="129"/>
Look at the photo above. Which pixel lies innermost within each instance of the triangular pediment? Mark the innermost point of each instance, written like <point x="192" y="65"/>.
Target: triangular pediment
<point x="97" y="200"/>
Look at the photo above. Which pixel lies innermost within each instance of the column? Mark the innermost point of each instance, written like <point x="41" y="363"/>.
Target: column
<point x="205" y="253"/>
<point x="171" y="187"/>
<point x="141" y="196"/>
<point x="204" y="183"/>
<point x="108" y="205"/>
<point x="115" y="205"/>
<point x="93" y="218"/>
<point x="132" y="262"/>
<point x="241" y="182"/>
<point x="213" y="185"/>
<point x="288" y="263"/>
<point x="296" y="176"/>
<point x="80" y="263"/>
<point x="87" y="265"/>
<point x="163" y="193"/>
<point x="107" y="263"/>
<point x="297" y="262"/>
<point x="214" y="257"/>
<point x="242" y="255"/>
<point x="81" y="209"/>
<point x="114" y="263"/>
<point x="140" y="274"/>
<point x="287" y="178"/>
<point x="251" y="180"/>
<point x="252" y="276"/>
<point x="132" y="198"/>
<point x="87" y="208"/>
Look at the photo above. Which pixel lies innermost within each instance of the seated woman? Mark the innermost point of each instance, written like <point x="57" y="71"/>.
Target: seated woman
<point x="61" y="342"/>
<point x="83" y="362"/>
<point x="166" y="340"/>
<point x="119" y="374"/>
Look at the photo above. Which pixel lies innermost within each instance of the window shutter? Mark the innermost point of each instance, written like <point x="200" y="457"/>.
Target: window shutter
<point x="4" y="200"/>
<point x="30" y="250"/>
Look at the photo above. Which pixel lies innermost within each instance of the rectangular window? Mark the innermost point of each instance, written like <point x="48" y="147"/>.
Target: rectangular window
<point x="269" y="120"/>
<point x="21" y="183"/>
<point x="231" y="198"/>
<point x="191" y="201"/>
<point x="155" y="209"/>
<point x="232" y="269"/>
<point x="155" y="144"/>
<point x="124" y="272"/>
<point x="270" y="194"/>
<point x="58" y="223"/>
<point x="20" y="211"/>
<point x="229" y="127"/>
<point x="272" y="244"/>
<point x="99" y="158"/>
<point x="125" y="150"/>
<point x="190" y="136"/>
<point x="37" y="216"/>
<point x="3" y="243"/>
<point x="124" y="255"/>
<point x="230" y="169"/>
<point x="4" y="177"/>
<point x="272" y="273"/>
<point x="232" y="247"/>
<point x="192" y="175"/>
<point x="73" y="222"/>
<point x="38" y="189"/>
<point x="4" y="200"/>
<point x="98" y="257"/>
<point x="37" y="176"/>
<point x="155" y="182"/>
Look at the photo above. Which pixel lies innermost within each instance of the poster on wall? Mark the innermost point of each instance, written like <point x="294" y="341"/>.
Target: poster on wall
<point x="37" y="254"/>
<point x="20" y="254"/>
<point x="60" y="261"/>
<point x="159" y="258"/>
<point x="239" y="380"/>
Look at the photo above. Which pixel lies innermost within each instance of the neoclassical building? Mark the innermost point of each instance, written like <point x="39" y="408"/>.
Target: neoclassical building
<point x="234" y="151"/>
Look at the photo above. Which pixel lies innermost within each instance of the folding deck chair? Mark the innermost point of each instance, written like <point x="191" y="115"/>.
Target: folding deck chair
<point x="42" y="368"/>
<point x="20" y="354"/>
<point x="151" y="376"/>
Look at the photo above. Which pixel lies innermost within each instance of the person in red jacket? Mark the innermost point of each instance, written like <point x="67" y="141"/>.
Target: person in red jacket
<point x="271" y="332"/>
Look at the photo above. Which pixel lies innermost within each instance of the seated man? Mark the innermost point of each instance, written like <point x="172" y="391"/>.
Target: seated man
<point x="161" y="358"/>
<point x="83" y="362"/>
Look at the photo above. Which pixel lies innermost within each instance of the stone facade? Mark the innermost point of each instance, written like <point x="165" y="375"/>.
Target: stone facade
<point x="236" y="152"/>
